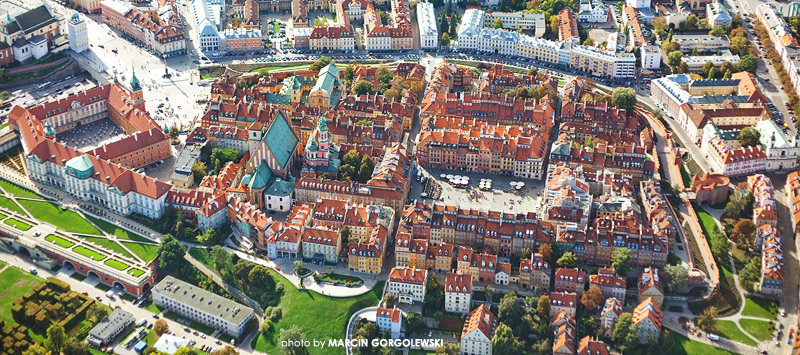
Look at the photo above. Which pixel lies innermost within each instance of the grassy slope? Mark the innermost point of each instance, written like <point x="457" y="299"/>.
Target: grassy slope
<point x="65" y="220"/>
<point x="296" y="305"/>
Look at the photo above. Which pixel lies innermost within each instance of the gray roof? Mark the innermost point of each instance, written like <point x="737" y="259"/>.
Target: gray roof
<point x="31" y="21"/>
<point x="202" y="300"/>
<point x="111" y="324"/>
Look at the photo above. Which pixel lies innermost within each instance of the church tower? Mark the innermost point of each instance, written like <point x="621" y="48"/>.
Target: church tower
<point x="136" y="90"/>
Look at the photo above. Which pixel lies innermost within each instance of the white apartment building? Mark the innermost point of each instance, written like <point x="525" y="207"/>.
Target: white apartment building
<point x="479" y="327"/>
<point x="597" y="62"/>
<point x="426" y="20"/>
<point x="199" y="305"/>
<point x="785" y="44"/>
<point x="518" y="20"/>
<point x="781" y="150"/>
<point x="472" y="18"/>
<point x="78" y="34"/>
<point x="407" y="284"/>
<point x="207" y="24"/>
<point x="458" y="293"/>
<point x="651" y="57"/>
<point x="638" y="4"/>
<point x="592" y="11"/>
<point x="390" y="319"/>
<point x="696" y="63"/>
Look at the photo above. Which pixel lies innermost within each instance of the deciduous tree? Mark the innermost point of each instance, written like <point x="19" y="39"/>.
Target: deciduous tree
<point x="749" y="137"/>
<point x="707" y="321"/>
<point x="56" y="338"/>
<point x="293" y="338"/>
<point x="161" y="327"/>
<point x="567" y="260"/>
<point x="620" y="261"/>
<point x="592" y="298"/>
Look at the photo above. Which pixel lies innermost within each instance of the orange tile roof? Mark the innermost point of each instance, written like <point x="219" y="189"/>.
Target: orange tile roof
<point x="482" y="319"/>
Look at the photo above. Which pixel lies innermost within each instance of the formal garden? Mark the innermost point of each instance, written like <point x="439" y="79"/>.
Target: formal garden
<point x="33" y="310"/>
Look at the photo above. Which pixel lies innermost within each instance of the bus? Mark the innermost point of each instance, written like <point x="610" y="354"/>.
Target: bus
<point x="42" y="86"/>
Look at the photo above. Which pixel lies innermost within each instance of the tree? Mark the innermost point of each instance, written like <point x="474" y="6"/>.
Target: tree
<point x="185" y="351"/>
<point x="620" y="261"/>
<point x="198" y="171"/>
<point x="447" y="349"/>
<point x="36" y="349"/>
<point x="727" y="75"/>
<point x="744" y="232"/>
<point x="707" y="321"/>
<point x="740" y="46"/>
<point x="749" y="137"/>
<point x="322" y="62"/>
<point x="543" y="306"/>
<point x="445" y="40"/>
<point x="352" y="158"/>
<point x="717" y="31"/>
<point x="707" y="68"/>
<point x="748" y="63"/>
<point x="692" y="22"/>
<point x="261" y="278"/>
<point x="676" y="277"/>
<point x="170" y="254"/>
<point x="74" y="347"/>
<point x="348" y="73"/>
<point x="721" y="248"/>
<point x="567" y="260"/>
<point x="683" y="68"/>
<point x="625" y="334"/>
<point x="547" y="252"/>
<point x="161" y="327"/>
<point x="487" y="291"/>
<point x="660" y="26"/>
<point x="510" y="311"/>
<point x="298" y="267"/>
<point x="56" y="338"/>
<point x="366" y="168"/>
<point x="504" y="341"/>
<point x="592" y="298"/>
<point x="363" y="87"/>
<point x="624" y="98"/>
<point x="415" y="322"/>
<point x="4" y="95"/>
<point x="389" y="300"/>
<point x="555" y="24"/>
<point x="712" y="74"/>
<point x="293" y="338"/>
<point x="345" y="233"/>
<point x="498" y="23"/>
<point x="726" y="67"/>
<point x="227" y="350"/>
<point x="96" y="313"/>
<point x="220" y="257"/>
<point x="694" y="52"/>
<point x="347" y="173"/>
<point x="670" y="47"/>
<point x="174" y="132"/>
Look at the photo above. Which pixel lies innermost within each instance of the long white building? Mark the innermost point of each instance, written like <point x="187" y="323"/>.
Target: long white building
<point x="207" y="24"/>
<point x="518" y="20"/>
<point x="473" y="36"/>
<point x="426" y="21"/>
<point x="199" y="305"/>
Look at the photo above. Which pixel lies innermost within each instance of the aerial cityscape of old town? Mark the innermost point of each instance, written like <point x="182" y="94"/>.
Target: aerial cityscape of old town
<point x="399" y="177"/>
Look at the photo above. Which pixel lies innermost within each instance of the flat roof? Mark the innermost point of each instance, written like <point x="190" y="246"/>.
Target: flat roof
<point x="107" y="327"/>
<point x="203" y="300"/>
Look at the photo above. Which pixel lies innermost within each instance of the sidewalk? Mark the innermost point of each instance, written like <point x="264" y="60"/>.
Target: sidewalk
<point x="287" y="271"/>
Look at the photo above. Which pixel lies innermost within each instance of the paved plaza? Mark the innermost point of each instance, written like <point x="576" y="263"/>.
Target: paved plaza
<point x="91" y="135"/>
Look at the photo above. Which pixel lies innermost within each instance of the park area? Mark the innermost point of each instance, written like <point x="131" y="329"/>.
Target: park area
<point x="94" y="230"/>
<point x="297" y="307"/>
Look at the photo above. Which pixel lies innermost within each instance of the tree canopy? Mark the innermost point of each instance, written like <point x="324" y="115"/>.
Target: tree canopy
<point x="624" y="98"/>
<point x="170" y="254"/>
<point x="749" y="137"/>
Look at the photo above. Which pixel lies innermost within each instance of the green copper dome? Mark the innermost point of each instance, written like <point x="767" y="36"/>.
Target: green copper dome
<point x="135" y="86"/>
<point x="80" y="167"/>
<point x="48" y="130"/>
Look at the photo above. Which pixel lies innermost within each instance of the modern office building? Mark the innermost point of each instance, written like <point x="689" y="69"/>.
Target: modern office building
<point x="104" y="332"/>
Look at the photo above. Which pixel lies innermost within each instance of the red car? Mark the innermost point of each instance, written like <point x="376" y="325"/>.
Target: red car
<point x="117" y="307"/>
<point x="277" y="268"/>
<point x="85" y="293"/>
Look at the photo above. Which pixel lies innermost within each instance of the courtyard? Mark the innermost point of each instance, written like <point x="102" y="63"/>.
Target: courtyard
<point x="91" y="135"/>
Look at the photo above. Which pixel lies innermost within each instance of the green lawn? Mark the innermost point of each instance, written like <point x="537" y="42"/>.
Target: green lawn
<point x="145" y="251"/>
<point x="151" y="307"/>
<point x="117" y="231"/>
<point x="687" y="178"/>
<point x="65" y="220"/>
<point x="14" y="282"/>
<point x="116" y="264"/>
<point x="728" y="329"/>
<point x="202" y="255"/>
<point x="685" y="346"/>
<point x="760" y="329"/>
<point x="18" y="224"/>
<point x="295" y="305"/>
<point x="135" y="272"/>
<point x="10" y="205"/>
<point x="725" y="299"/>
<point x="59" y="241"/>
<point x="108" y="244"/>
<point x="760" y="307"/>
<point x="90" y="254"/>
<point x="2" y="264"/>
<point x="17" y="190"/>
